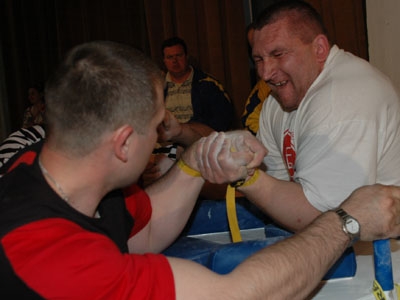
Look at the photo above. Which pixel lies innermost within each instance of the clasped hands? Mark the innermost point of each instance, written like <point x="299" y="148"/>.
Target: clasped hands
<point x="224" y="157"/>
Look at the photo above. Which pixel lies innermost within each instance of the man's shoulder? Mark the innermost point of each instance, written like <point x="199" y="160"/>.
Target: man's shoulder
<point x="18" y="140"/>
<point x="25" y="155"/>
<point x="198" y="73"/>
<point x="201" y="76"/>
<point x="207" y="83"/>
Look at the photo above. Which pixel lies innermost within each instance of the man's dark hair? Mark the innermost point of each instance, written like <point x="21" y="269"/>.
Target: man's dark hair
<point x="173" y="42"/>
<point x="98" y="87"/>
<point x="306" y="21"/>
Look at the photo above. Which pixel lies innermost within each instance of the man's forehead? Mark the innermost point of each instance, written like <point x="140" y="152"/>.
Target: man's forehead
<point x="270" y="33"/>
<point x="279" y="26"/>
<point x="174" y="49"/>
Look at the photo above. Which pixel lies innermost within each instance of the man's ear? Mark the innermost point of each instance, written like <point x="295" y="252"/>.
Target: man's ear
<point x="122" y="141"/>
<point x="321" y="47"/>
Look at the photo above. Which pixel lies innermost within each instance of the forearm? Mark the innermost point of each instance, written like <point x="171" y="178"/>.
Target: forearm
<point x="290" y="269"/>
<point x="293" y="268"/>
<point x="172" y="197"/>
<point x="283" y="201"/>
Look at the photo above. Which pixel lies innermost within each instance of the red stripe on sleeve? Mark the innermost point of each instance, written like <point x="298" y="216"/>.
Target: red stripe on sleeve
<point x="59" y="259"/>
<point x="27" y="158"/>
<point x="138" y="204"/>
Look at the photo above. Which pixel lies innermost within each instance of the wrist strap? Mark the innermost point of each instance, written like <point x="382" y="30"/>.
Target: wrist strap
<point x="187" y="169"/>
<point x="380" y="294"/>
<point x="252" y="179"/>
<point x="231" y="205"/>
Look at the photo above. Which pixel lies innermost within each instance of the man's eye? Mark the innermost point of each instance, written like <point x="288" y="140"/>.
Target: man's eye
<point x="279" y="54"/>
<point x="171" y="57"/>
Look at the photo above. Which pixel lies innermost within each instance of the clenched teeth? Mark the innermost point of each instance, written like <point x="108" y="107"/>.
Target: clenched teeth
<point x="278" y="83"/>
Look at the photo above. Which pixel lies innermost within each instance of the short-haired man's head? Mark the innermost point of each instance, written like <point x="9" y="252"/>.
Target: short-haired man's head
<point x="304" y="21"/>
<point x="97" y="88"/>
<point x="173" y="42"/>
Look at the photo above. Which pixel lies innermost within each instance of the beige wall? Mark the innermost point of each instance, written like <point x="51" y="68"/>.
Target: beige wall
<point x="383" y="24"/>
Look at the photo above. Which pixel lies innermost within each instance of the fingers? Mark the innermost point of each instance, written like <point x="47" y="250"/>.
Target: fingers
<point x="377" y="208"/>
<point x="234" y="160"/>
<point x="394" y="206"/>
<point x="389" y="203"/>
<point x="245" y="141"/>
<point x="226" y="157"/>
<point x="395" y="191"/>
<point x="207" y="156"/>
<point x="241" y="159"/>
<point x="256" y="147"/>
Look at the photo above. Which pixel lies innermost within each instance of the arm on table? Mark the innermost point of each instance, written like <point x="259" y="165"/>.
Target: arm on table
<point x="291" y="269"/>
<point x="284" y="201"/>
<point x="172" y="198"/>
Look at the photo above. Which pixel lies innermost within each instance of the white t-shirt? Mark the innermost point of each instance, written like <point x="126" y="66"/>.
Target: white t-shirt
<point x="345" y="133"/>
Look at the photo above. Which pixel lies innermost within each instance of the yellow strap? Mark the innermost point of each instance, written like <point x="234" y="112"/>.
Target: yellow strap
<point x="232" y="216"/>
<point x="380" y="294"/>
<point x="231" y="207"/>
<point x="377" y="291"/>
<point x="187" y="169"/>
<point x="230" y="199"/>
<point x="252" y="179"/>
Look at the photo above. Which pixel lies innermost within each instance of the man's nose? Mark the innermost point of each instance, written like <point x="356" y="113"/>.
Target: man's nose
<point x="266" y="69"/>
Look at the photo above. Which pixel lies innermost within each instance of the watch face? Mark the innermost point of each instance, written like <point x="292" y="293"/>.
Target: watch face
<point x="352" y="226"/>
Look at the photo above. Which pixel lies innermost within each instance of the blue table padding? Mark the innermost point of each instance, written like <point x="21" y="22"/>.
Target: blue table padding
<point x="223" y="258"/>
<point x="272" y="230"/>
<point x="345" y="266"/>
<point x="195" y="249"/>
<point x="209" y="216"/>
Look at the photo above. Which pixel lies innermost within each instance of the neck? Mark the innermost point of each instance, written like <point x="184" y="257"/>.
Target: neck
<point x="58" y="187"/>
<point x="74" y="180"/>
<point x="180" y="77"/>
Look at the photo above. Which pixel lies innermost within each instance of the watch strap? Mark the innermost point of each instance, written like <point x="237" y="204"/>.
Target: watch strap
<point x="344" y="216"/>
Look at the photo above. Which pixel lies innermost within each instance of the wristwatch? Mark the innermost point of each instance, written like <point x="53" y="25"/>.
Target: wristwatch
<point x="350" y="225"/>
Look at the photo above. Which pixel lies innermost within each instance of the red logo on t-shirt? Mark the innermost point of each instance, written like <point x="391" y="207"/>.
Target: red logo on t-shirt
<point x="289" y="153"/>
